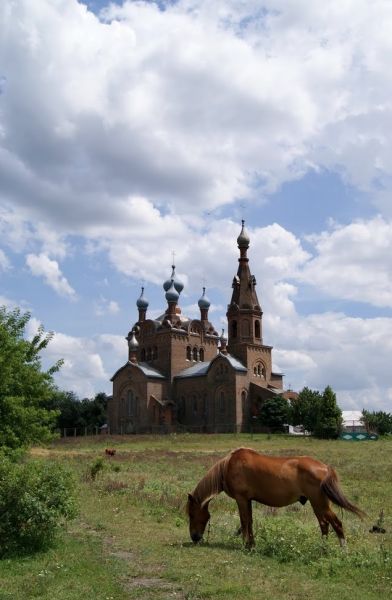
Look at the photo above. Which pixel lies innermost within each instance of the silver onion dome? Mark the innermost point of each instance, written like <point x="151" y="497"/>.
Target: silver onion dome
<point x="243" y="239"/>
<point x="142" y="302"/>
<point x="133" y="344"/>
<point x="172" y="294"/>
<point x="204" y="301"/>
<point x="177" y="282"/>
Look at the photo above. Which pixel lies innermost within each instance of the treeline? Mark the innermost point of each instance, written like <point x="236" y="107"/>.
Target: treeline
<point x="378" y="421"/>
<point x="88" y="413"/>
<point x="317" y="412"/>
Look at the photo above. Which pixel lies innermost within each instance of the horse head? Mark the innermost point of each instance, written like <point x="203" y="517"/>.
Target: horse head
<point x="198" y="517"/>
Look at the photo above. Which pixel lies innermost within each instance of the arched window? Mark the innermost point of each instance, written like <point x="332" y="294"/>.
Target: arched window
<point x="257" y="328"/>
<point x="195" y="353"/>
<point x="234" y="329"/>
<point x="188" y="353"/>
<point x="143" y="355"/>
<point x="201" y="354"/>
<point x="154" y="353"/>
<point x="149" y="354"/>
<point x="255" y="371"/>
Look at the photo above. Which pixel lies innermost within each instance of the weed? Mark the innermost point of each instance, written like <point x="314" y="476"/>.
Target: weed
<point x="96" y="467"/>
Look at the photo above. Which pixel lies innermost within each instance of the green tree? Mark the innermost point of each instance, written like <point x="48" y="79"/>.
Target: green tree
<point x="95" y="411"/>
<point x="24" y="386"/>
<point x="274" y="413"/>
<point x="73" y="412"/>
<point x="329" y="418"/>
<point x="379" y="421"/>
<point x="304" y="409"/>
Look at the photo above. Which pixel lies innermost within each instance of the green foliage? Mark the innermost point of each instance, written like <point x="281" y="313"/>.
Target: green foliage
<point x="73" y="412"/>
<point x="329" y="417"/>
<point x="305" y="408"/>
<point x="24" y="386"/>
<point x="378" y="421"/>
<point x="96" y="467"/>
<point x="318" y="413"/>
<point x="35" y="501"/>
<point x="274" y="413"/>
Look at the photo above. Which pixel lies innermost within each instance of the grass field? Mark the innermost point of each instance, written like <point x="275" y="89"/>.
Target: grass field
<point x="131" y="539"/>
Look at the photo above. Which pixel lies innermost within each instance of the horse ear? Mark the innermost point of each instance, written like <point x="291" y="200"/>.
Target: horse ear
<point x="190" y="498"/>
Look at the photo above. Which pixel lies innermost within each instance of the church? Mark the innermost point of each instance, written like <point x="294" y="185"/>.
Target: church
<point x="181" y="375"/>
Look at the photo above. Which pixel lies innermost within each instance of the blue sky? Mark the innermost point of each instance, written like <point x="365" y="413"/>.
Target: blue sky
<point x="132" y="130"/>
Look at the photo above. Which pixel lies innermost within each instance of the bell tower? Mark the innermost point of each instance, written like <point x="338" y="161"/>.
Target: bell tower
<point x="244" y="314"/>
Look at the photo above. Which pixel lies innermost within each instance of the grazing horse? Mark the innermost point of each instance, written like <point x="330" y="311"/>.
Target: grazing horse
<point x="110" y="451"/>
<point x="246" y="475"/>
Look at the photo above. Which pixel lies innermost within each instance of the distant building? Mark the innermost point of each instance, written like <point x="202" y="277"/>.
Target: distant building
<point x="181" y="374"/>
<point x="353" y="421"/>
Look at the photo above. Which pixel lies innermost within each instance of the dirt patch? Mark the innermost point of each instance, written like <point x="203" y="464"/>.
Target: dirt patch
<point x="155" y="583"/>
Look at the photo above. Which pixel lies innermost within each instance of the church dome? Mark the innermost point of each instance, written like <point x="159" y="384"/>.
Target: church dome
<point x="172" y="294"/>
<point x="179" y="286"/>
<point x="243" y="239"/>
<point x="204" y="301"/>
<point x="133" y="344"/>
<point x="142" y="302"/>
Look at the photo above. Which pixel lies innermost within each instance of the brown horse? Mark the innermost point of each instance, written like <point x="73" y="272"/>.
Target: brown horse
<point x="246" y="475"/>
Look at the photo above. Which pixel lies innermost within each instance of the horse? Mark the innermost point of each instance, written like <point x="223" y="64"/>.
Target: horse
<point x="110" y="451"/>
<point x="247" y="475"/>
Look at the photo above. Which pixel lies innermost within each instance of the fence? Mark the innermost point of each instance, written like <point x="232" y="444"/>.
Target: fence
<point x="163" y="429"/>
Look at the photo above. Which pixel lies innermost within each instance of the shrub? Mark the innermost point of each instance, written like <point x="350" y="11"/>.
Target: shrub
<point x="96" y="467"/>
<point x="35" y="501"/>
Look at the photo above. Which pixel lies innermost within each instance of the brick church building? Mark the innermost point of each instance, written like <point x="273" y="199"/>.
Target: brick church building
<point x="181" y="374"/>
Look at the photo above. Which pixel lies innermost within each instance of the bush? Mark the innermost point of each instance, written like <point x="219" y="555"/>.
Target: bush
<point x="35" y="501"/>
<point x="96" y="467"/>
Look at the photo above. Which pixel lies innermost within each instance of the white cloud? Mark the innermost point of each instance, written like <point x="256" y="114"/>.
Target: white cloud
<point x="255" y="97"/>
<point x="4" y="262"/>
<point x="83" y="370"/>
<point x="42" y="266"/>
<point x="350" y="354"/>
<point x="103" y="306"/>
<point x="354" y="262"/>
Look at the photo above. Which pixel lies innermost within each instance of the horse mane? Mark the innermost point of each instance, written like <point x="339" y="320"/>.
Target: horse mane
<point x="212" y="483"/>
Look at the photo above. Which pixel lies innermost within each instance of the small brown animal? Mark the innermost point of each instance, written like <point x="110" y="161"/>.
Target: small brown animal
<point x="110" y="451"/>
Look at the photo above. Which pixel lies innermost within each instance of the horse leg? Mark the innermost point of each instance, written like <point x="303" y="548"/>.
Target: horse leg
<point x="337" y="526"/>
<point x="320" y="509"/>
<point x="245" y="510"/>
<point x="326" y="517"/>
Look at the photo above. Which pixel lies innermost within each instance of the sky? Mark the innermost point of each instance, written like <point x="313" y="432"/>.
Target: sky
<point x="132" y="130"/>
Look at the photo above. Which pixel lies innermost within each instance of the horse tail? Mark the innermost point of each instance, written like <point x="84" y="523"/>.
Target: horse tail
<point x="331" y="489"/>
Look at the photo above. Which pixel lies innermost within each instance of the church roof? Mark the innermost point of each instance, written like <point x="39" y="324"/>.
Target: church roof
<point x="196" y="370"/>
<point x="150" y="371"/>
<point x="147" y="370"/>
<point x="201" y="368"/>
<point x="235" y="363"/>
